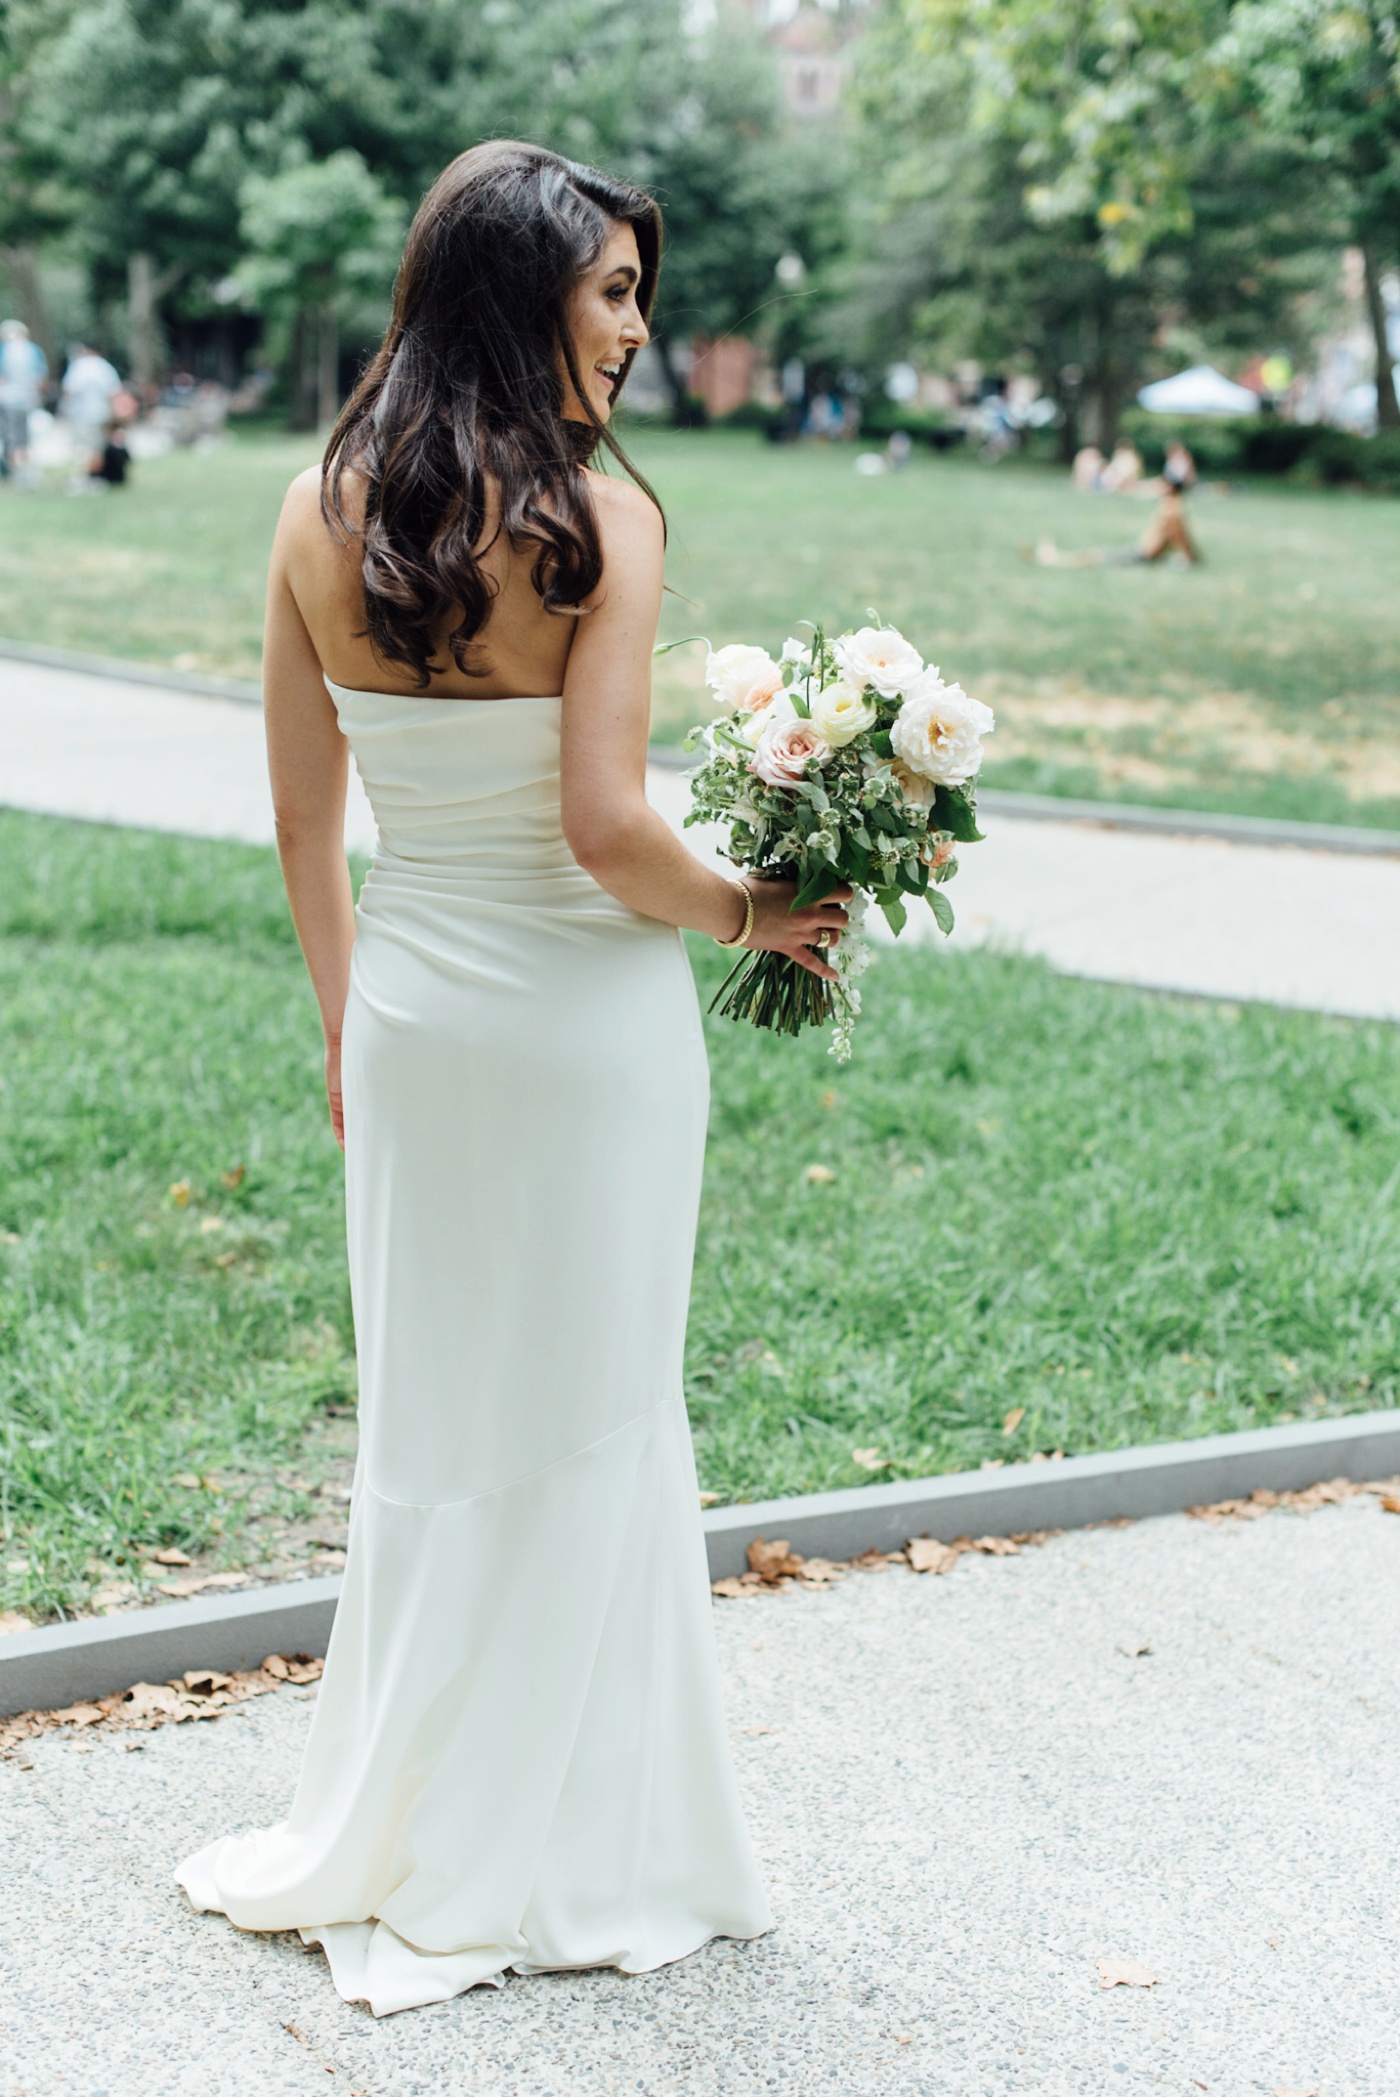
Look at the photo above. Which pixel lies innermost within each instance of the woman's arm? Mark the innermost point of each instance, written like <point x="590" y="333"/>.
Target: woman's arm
<point x="628" y="848"/>
<point x="309" y="763"/>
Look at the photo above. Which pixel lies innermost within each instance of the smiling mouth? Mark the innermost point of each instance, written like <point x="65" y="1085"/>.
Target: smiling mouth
<point x="609" y="373"/>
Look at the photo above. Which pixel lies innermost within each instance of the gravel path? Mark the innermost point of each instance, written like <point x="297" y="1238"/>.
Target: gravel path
<point x="966" y="1791"/>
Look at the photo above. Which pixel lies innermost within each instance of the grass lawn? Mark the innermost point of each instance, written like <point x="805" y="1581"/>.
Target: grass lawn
<point x="1135" y="1217"/>
<point x="1267" y="681"/>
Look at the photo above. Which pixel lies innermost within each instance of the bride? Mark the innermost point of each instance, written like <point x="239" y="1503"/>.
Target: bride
<point x="517" y="1760"/>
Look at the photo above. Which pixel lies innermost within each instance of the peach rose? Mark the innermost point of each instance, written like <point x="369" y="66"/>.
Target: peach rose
<point x="785" y="749"/>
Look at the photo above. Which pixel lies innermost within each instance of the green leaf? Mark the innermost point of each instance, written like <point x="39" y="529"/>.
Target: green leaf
<point x="955" y="810"/>
<point x="895" y="913"/>
<point x="816" y="887"/>
<point x="942" y="909"/>
<point x="880" y="743"/>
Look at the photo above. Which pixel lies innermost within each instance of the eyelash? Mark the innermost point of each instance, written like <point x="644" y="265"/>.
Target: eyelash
<point x="618" y="292"/>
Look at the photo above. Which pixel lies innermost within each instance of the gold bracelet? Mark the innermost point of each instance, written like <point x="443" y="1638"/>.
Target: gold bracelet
<point x="748" y="917"/>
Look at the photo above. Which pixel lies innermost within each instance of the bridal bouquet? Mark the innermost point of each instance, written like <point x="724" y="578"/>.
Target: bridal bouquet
<point x="846" y="761"/>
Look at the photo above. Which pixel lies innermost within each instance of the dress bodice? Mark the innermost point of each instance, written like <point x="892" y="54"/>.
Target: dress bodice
<point x="459" y="783"/>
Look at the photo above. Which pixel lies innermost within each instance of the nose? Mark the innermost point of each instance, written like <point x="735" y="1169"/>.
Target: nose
<point x="636" y="333"/>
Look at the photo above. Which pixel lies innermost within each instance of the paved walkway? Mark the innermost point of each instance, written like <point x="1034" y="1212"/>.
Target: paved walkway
<point x="966" y="1792"/>
<point x="1297" y="927"/>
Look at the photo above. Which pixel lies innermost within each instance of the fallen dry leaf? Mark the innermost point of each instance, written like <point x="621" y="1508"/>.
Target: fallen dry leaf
<point x="996" y="1546"/>
<point x="180" y="1194"/>
<point x="869" y="1459"/>
<point x="187" y="1480"/>
<point x="1391" y="1502"/>
<point x="1013" y="1419"/>
<point x="819" y="1175"/>
<point x="820" y="1572"/>
<point x="200" y="1694"/>
<point x="234" y="1178"/>
<point x="709" y="1499"/>
<point x="927" y="1555"/>
<point x="829" y="1099"/>
<point x="1126" y="1973"/>
<point x="171" y="1557"/>
<point x="733" y="1588"/>
<point x="14" y="1620"/>
<point x="773" y="1561"/>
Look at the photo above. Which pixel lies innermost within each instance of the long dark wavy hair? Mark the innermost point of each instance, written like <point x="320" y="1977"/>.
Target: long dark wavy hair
<point x="464" y="399"/>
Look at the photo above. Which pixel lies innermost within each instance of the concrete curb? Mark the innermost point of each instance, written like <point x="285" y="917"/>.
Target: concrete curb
<point x="63" y="1663"/>
<point x="133" y="673"/>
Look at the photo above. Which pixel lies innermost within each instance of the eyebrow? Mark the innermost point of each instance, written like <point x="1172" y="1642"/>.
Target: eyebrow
<point x="628" y="270"/>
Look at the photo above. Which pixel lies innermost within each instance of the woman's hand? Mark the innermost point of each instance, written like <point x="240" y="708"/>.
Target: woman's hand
<point x="803" y="935"/>
<point x="333" y="1088"/>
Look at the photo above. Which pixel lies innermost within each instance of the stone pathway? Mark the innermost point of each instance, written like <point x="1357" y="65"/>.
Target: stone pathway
<point x="1293" y="926"/>
<point x="1169" y="1743"/>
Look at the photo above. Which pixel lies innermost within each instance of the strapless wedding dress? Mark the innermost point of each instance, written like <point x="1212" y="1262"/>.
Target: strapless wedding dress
<point x="517" y="1758"/>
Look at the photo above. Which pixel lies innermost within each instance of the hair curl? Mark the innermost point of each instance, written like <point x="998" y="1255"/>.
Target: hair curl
<point x="464" y="397"/>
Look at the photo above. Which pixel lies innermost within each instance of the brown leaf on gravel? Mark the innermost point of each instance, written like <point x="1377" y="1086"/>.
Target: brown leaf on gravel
<point x="997" y="1546"/>
<point x="1126" y="1973"/>
<point x="735" y="1589"/>
<point x="927" y="1555"/>
<point x="1391" y="1502"/>
<point x="820" y="1572"/>
<point x="149" y="1704"/>
<point x="1328" y="1492"/>
<point x="772" y="1561"/>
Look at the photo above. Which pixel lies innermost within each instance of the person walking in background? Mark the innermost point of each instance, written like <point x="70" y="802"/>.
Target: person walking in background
<point x="90" y="384"/>
<point x="23" y="370"/>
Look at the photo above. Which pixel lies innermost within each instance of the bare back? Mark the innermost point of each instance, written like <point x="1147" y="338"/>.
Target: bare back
<point x="525" y="648"/>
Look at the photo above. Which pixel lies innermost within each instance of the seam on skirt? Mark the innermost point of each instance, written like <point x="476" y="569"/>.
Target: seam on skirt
<point x="491" y="1492"/>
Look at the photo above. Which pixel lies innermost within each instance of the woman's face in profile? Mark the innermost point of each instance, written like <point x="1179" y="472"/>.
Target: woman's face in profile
<point x="605" y="322"/>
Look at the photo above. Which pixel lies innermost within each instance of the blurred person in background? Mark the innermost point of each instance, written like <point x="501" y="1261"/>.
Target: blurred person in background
<point x="90" y="386"/>
<point x="1124" y="470"/>
<point x="23" y="371"/>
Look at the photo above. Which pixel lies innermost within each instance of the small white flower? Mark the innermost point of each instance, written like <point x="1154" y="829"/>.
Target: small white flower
<point x="751" y="726"/>
<point x="938" y="731"/>
<point x="795" y="651"/>
<point x="880" y="656"/>
<point x="842" y="712"/>
<point x="743" y="679"/>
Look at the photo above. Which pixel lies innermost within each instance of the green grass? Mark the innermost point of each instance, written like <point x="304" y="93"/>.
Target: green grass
<point x="1267" y="681"/>
<point x="1136" y="1217"/>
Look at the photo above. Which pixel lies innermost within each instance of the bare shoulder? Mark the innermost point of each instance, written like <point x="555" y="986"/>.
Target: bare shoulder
<point x="628" y="519"/>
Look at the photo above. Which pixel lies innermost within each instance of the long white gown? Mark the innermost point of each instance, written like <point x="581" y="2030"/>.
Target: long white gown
<point x="518" y="1757"/>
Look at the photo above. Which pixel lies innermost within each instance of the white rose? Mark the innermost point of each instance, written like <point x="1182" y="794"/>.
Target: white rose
<point x="742" y="678"/>
<point x="842" y="712"/>
<point x="938" y="731"/>
<point x="779" y="708"/>
<point x="917" y="792"/>
<point x="880" y="656"/>
<point x="795" y="651"/>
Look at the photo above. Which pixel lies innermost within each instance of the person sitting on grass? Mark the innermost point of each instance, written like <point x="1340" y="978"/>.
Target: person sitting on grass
<point x="1166" y="533"/>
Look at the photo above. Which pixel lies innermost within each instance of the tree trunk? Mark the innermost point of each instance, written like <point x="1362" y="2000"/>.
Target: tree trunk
<point x="683" y="408"/>
<point x="327" y="368"/>
<point x="146" y="286"/>
<point x="1387" y="407"/>
<point x="22" y="268"/>
<point x="302" y="371"/>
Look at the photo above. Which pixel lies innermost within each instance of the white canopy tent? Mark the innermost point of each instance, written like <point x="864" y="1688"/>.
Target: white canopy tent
<point x="1200" y="391"/>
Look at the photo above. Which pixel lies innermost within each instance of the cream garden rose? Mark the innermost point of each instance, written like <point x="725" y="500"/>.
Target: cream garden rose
<point x="743" y="678"/>
<point x="786" y="749"/>
<point x="879" y="656"/>
<point x="938" y="731"/>
<point x="841" y="712"/>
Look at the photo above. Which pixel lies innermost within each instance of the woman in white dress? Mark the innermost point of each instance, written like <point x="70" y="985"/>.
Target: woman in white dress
<point x="517" y="1760"/>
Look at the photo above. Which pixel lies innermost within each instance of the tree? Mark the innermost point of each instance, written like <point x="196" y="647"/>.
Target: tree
<point x="1327" y="77"/>
<point x="1057" y="197"/>
<point x="317" y="234"/>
